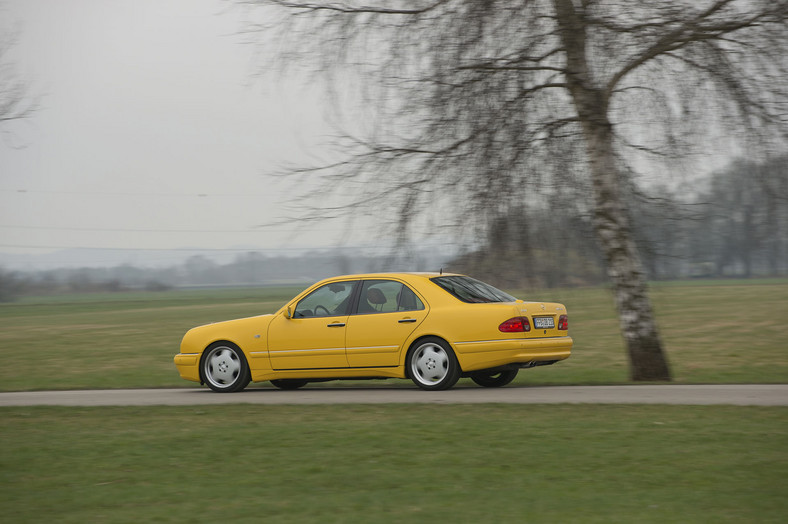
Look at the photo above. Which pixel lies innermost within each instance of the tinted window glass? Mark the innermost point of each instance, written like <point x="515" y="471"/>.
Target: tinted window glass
<point x="387" y="296"/>
<point x="408" y="301"/>
<point x="471" y="290"/>
<point x="329" y="300"/>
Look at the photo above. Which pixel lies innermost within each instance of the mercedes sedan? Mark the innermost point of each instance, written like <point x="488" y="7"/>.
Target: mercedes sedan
<point x="431" y="328"/>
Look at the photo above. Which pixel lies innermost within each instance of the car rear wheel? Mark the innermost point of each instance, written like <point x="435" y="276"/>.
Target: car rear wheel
<point x="224" y="368"/>
<point x="432" y="364"/>
<point x="289" y="383"/>
<point x="494" y="379"/>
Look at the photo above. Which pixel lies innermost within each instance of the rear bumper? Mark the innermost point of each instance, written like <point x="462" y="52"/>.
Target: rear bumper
<point x="486" y="354"/>
<point x="188" y="365"/>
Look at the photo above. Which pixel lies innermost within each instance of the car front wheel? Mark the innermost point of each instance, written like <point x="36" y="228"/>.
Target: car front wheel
<point x="494" y="379"/>
<point x="224" y="368"/>
<point x="432" y="364"/>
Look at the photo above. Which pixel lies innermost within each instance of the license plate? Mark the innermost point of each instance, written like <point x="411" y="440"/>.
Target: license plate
<point x="544" y="322"/>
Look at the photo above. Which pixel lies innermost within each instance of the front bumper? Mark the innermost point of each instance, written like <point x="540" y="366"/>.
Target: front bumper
<point x="188" y="365"/>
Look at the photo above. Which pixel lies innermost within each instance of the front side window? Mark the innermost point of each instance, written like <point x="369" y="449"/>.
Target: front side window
<point x="387" y="296"/>
<point x="326" y="301"/>
<point x="471" y="290"/>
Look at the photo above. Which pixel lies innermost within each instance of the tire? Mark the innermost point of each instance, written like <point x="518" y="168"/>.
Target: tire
<point x="224" y="368"/>
<point x="432" y="365"/>
<point x="494" y="379"/>
<point x="289" y="383"/>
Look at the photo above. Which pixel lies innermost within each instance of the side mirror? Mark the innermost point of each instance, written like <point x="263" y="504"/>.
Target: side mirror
<point x="288" y="312"/>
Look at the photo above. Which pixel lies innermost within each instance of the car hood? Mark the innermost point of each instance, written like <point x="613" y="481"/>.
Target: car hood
<point x="236" y="322"/>
<point x="248" y="332"/>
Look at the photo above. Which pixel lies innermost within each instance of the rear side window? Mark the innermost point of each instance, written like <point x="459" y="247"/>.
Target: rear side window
<point x="471" y="290"/>
<point x="387" y="296"/>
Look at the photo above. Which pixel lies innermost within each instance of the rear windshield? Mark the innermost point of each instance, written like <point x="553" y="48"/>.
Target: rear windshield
<point x="471" y="290"/>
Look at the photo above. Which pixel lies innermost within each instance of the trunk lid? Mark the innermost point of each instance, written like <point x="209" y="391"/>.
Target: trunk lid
<point x="544" y="318"/>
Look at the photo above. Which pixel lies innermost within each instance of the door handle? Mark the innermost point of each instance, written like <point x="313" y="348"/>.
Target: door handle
<point x="338" y="324"/>
<point x="406" y="320"/>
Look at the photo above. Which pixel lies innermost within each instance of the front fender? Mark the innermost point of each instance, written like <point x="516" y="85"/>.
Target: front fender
<point x="249" y="334"/>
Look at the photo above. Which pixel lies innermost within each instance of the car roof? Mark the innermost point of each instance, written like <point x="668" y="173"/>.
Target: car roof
<point x="425" y="274"/>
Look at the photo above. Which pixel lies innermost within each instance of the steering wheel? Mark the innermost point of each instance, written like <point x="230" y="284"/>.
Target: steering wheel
<point x="328" y="313"/>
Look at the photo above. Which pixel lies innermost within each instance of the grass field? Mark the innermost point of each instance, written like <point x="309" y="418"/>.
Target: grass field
<point x="394" y="463"/>
<point x="714" y="332"/>
<point x="426" y="463"/>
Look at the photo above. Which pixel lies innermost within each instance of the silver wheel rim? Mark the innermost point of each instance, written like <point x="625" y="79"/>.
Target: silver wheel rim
<point x="222" y="366"/>
<point x="429" y="364"/>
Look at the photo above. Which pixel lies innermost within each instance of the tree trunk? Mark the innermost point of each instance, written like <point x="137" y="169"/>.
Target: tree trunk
<point x="611" y="215"/>
<point x="624" y="268"/>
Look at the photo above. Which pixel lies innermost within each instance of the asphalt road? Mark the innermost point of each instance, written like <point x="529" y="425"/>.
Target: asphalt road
<point x="739" y="394"/>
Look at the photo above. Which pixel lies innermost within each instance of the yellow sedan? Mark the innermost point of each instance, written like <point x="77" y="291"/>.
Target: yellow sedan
<point x="429" y="327"/>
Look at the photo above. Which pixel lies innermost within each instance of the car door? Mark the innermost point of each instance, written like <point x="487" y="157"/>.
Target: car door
<point x="387" y="313"/>
<point x="314" y="336"/>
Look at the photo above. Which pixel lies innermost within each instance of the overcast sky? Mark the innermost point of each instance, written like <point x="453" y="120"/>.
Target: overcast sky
<point x="152" y="130"/>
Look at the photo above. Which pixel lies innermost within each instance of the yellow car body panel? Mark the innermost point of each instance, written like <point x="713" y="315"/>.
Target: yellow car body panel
<point x="375" y="343"/>
<point x="303" y="343"/>
<point x="247" y="333"/>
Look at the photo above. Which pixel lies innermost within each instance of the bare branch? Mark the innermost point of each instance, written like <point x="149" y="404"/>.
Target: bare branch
<point x="690" y="32"/>
<point x="347" y="9"/>
<point x="16" y="103"/>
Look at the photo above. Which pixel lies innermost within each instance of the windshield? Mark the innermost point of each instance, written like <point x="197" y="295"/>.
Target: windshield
<point x="471" y="290"/>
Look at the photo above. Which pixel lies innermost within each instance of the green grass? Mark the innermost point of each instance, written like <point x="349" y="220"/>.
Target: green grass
<point x="425" y="463"/>
<point x="714" y="332"/>
<point x="113" y="340"/>
<point x="722" y="331"/>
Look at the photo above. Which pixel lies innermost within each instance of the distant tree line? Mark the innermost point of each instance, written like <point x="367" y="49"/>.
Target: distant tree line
<point x="248" y="269"/>
<point x="734" y="224"/>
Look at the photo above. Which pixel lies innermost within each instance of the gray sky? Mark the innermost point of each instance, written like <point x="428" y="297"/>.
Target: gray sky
<point x="152" y="132"/>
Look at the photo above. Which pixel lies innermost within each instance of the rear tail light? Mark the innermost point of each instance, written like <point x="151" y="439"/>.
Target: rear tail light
<point x="515" y="325"/>
<point x="563" y="322"/>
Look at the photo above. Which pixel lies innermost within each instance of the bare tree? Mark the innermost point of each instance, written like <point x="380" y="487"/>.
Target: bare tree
<point x="15" y="100"/>
<point x="478" y="104"/>
<point x="746" y="218"/>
